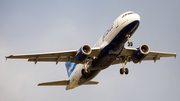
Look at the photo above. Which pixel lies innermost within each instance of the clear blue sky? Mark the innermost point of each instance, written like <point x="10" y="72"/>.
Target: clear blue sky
<point x="37" y="26"/>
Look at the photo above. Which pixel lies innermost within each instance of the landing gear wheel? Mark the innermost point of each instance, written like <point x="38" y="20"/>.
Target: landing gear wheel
<point x="128" y="38"/>
<point x="126" y="71"/>
<point x="121" y="71"/>
<point x="130" y="44"/>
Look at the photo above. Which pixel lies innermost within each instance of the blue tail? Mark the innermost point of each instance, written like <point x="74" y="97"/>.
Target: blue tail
<point x="70" y="67"/>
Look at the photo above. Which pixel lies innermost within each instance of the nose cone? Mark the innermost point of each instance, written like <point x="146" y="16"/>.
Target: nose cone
<point x="136" y="17"/>
<point x="133" y="17"/>
<point x="128" y="18"/>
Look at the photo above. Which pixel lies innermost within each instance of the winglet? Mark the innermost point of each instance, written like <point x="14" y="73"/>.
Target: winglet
<point x="6" y="57"/>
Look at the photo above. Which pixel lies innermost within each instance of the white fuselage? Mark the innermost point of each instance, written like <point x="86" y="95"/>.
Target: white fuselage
<point x="119" y="24"/>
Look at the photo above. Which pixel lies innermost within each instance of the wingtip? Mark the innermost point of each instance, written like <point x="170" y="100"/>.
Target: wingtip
<point x="39" y="84"/>
<point x="6" y="57"/>
<point x="175" y="55"/>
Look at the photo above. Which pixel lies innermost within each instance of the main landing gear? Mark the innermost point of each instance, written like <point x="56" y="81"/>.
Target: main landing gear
<point x="124" y="70"/>
<point x="128" y="38"/>
<point x="85" y="71"/>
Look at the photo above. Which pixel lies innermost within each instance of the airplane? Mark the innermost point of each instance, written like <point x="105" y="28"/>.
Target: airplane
<point x="85" y="63"/>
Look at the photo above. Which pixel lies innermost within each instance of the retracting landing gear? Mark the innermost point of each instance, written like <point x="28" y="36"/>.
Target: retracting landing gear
<point x="124" y="70"/>
<point x="86" y="71"/>
<point x="128" y="38"/>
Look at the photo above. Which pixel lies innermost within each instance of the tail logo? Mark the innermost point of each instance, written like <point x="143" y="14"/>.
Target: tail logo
<point x="70" y="67"/>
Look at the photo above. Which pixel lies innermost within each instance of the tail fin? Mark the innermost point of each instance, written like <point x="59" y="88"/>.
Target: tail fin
<point x="70" y="67"/>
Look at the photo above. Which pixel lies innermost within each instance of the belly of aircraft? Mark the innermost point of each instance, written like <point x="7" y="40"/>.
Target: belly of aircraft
<point x="109" y="53"/>
<point x="114" y="48"/>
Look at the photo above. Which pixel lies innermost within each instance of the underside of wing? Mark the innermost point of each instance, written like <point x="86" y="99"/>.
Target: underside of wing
<point x="128" y="53"/>
<point x="54" y="83"/>
<point x="62" y="56"/>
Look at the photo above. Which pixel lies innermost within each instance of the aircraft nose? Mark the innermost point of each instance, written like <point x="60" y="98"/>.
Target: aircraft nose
<point x="136" y="17"/>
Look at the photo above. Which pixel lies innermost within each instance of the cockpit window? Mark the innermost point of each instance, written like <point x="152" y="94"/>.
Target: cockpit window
<point x="127" y="14"/>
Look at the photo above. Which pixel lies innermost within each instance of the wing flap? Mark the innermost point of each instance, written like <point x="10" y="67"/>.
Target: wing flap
<point x="151" y="58"/>
<point x="54" y="83"/>
<point x="51" y="59"/>
<point x="161" y="54"/>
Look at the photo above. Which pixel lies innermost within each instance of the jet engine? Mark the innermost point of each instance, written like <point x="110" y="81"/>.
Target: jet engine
<point x="141" y="53"/>
<point x="82" y="53"/>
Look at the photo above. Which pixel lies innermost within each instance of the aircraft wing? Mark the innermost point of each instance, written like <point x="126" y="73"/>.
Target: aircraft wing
<point x="153" y="55"/>
<point x="62" y="56"/>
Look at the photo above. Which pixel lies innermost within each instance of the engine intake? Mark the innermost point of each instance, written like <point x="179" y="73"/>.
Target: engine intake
<point x="141" y="53"/>
<point x="82" y="53"/>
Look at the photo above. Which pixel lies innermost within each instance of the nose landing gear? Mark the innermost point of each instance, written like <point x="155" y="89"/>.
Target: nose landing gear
<point x="130" y="44"/>
<point x="128" y="38"/>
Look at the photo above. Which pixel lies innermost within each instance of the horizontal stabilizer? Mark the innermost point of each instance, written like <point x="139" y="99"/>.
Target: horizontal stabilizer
<point x="54" y="83"/>
<point x="91" y="83"/>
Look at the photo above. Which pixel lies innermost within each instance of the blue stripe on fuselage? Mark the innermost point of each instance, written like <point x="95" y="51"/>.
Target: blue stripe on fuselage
<point x="106" y="57"/>
<point x="110" y="52"/>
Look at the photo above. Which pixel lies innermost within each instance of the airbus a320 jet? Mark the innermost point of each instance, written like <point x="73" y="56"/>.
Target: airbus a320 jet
<point x="85" y="63"/>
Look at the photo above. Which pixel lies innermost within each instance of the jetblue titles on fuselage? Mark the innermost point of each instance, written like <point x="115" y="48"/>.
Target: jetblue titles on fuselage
<point x="105" y="34"/>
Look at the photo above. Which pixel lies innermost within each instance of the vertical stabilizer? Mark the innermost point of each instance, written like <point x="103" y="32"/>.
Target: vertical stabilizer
<point x="70" y="67"/>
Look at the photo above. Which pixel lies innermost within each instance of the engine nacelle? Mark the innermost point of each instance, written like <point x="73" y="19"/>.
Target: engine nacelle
<point x="82" y="53"/>
<point x="141" y="53"/>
